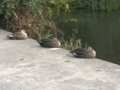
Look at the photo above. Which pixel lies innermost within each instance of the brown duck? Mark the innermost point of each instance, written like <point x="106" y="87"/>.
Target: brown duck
<point x="18" y="35"/>
<point x="50" y="43"/>
<point x="84" y="53"/>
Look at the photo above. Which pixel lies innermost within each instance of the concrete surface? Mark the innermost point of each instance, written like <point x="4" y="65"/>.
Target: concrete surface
<point x="25" y="65"/>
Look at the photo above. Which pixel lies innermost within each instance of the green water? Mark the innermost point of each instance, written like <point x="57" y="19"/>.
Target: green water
<point x="101" y="30"/>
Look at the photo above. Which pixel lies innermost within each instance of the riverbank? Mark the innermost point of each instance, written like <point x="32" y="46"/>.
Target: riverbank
<point x="25" y="65"/>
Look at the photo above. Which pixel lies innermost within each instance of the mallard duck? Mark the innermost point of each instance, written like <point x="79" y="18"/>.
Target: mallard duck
<point x="50" y="43"/>
<point x="84" y="53"/>
<point x="18" y="35"/>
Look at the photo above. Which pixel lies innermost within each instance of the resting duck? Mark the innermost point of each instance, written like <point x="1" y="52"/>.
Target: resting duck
<point x="84" y="53"/>
<point x="18" y="35"/>
<point x="50" y="43"/>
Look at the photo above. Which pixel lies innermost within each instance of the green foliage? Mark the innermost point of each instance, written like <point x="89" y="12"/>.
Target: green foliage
<point x="112" y="5"/>
<point x="103" y="5"/>
<point x="94" y="4"/>
<point x="70" y="43"/>
<point x="42" y="31"/>
<point x="45" y="6"/>
<point x="79" y="4"/>
<point x="6" y="7"/>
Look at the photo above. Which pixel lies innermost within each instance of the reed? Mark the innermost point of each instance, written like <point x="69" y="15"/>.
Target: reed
<point x="94" y="4"/>
<point x="101" y="5"/>
<point x="112" y="5"/>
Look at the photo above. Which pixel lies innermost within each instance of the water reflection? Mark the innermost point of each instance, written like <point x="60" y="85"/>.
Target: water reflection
<point x="100" y="30"/>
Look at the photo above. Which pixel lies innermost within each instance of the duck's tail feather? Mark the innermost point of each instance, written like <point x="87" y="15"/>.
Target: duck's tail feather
<point x="10" y="36"/>
<point x="75" y="54"/>
<point x="39" y="41"/>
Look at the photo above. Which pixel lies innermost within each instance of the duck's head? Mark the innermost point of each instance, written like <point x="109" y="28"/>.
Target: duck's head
<point x="23" y="31"/>
<point x="57" y="41"/>
<point x="92" y="51"/>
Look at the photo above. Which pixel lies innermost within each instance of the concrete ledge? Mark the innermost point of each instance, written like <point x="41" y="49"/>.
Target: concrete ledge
<point x="25" y="65"/>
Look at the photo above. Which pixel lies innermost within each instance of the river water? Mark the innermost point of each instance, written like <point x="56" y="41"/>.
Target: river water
<point x="100" y="30"/>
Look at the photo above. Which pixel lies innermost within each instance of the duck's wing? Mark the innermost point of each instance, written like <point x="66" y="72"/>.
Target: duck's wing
<point x="81" y="52"/>
<point x="46" y="40"/>
<point x="14" y="34"/>
<point x="19" y="35"/>
<point x="48" y="43"/>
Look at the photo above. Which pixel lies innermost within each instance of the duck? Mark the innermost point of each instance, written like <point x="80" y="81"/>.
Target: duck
<point x="50" y="43"/>
<point x="18" y="35"/>
<point x="84" y="52"/>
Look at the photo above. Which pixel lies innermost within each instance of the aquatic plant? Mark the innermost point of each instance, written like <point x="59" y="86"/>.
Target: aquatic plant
<point x="102" y="5"/>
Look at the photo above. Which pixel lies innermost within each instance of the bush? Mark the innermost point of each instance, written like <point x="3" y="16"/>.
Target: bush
<point x="6" y="7"/>
<point x="46" y="6"/>
<point x="31" y="15"/>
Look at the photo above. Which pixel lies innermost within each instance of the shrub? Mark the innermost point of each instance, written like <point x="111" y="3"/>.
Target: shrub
<point x="31" y="15"/>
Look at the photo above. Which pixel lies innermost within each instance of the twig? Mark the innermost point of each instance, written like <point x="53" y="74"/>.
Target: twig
<point x="41" y="15"/>
<point x="15" y="14"/>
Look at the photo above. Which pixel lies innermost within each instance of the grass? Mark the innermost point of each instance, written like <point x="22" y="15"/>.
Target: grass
<point x="101" y="5"/>
<point x="70" y="43"/>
